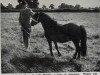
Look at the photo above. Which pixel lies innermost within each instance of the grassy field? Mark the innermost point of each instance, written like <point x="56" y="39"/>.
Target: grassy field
<point x="15" y="60"/>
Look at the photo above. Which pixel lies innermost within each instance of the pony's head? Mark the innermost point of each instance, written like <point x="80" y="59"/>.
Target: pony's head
<point x="44" y="18"/>
<point x="37" y="16"/>
<point x="40" y="16"/>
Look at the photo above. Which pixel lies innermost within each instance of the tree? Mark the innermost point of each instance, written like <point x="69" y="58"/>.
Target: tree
<point x="19" y="6"/>
<point x="65" y="6"/>
<point x="51" y="6"/>
<point x="97" y="8"/>
<point x="32" y="3"/>
<point x="3" y="7"/>
<point x="77" y="6"/>
<point x="10" y="6"/>
<point x="62" y="6"/>
<point x="70" y="6"/>
<point x="44" y="7"/>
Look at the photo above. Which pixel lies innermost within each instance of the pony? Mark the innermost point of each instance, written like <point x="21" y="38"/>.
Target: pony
<point x="62" y="33"/>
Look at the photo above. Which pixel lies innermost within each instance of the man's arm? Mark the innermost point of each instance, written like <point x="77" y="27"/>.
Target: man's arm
<point x="32" y="15"/>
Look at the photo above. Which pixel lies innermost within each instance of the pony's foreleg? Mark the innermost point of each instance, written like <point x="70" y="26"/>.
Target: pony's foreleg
<point x="50" y="46"/>
<point x="77" y="50"/>
<point x="56" y="46"/>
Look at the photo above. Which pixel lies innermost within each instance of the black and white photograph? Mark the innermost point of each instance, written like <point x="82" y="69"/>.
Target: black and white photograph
<point x="50" y="36"/>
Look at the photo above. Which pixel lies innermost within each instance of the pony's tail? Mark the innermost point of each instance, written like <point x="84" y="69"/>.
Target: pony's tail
<point x="83" y="41"/>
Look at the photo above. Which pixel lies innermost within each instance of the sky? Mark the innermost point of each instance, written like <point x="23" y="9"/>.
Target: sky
<point x="83" y="3"/>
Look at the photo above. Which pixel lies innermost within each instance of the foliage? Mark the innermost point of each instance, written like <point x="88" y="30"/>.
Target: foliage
<point x="19" y="6"/>
<point x="44" y="7"/>
<point x="10" y="6"/>
<point x="51" y="6"/>
<point x="61" y="8"/>
<point x="3" y="7"/>
<point x="31" y="3"/>
<point x="66" y="6"/>
<point x="77" y="6"/>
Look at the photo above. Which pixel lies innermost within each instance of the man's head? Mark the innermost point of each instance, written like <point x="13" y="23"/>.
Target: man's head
<point x="25" y="4"/>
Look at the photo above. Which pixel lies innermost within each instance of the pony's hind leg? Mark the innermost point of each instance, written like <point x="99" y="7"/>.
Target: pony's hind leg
<point x="56" y="46"/>
<point x="77" y="53"/>
<point x="50" y="46"/>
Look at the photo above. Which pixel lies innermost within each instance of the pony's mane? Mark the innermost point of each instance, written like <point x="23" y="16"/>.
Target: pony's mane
<point x="49" y="18"/>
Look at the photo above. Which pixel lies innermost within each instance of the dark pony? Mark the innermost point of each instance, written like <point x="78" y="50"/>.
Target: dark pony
<point x="63" y="33"/>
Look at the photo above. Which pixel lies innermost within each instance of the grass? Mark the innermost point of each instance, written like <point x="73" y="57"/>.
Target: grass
<point x="14" y="58"/>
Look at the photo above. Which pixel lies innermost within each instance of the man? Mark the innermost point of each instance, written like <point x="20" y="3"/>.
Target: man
<point x="24" y="19"/>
